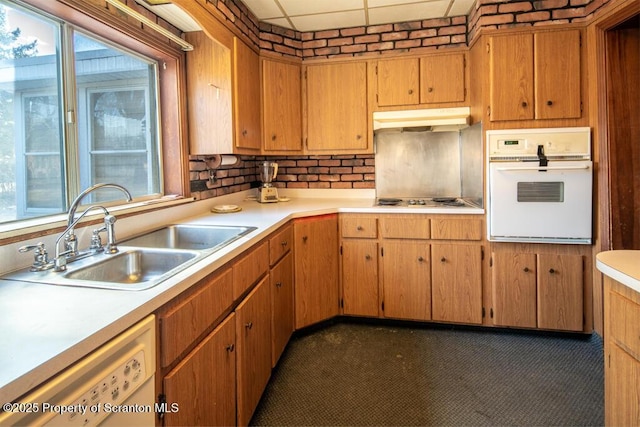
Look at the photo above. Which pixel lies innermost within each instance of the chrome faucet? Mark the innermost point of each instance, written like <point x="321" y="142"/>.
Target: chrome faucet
<point x="71" y="242"/>
<point x="60" y="261"/>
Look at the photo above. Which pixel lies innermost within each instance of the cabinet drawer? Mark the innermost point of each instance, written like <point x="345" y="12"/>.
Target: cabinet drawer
<point x="456" y="229"/>
<point x="182" y="324"/>
<point x="249" y="269"/>
<point x="625" y="323"/>
<point x="358" y="226"/>
<point x="280" y="244"/>
<point x="398" y="227"/>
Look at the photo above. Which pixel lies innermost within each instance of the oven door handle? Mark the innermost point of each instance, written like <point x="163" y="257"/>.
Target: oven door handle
<point x="543" y="168"/>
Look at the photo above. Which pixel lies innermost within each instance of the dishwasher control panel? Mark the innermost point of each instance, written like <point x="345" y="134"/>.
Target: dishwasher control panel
<point x="107" y="395"/>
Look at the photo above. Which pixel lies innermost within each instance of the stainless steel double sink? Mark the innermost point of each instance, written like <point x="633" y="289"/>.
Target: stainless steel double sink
<point x="143" y="261"/>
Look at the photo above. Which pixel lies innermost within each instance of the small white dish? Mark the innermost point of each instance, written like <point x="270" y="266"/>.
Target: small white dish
<point x="226" y="208"/>
<point x="283" y="199"/>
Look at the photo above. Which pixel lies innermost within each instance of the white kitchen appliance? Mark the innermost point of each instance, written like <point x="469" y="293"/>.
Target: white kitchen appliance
<point x="112" y="386"/>
<point x="539" y="185"/>
<point x="268" y="172"/>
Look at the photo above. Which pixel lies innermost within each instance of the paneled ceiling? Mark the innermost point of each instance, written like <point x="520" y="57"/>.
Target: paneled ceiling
<point x="314" y="15"/>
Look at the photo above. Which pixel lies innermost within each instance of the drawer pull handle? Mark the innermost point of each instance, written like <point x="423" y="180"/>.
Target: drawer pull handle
<point x="230" y="348"/>
<point x="552" y="271"/>
<point x="248" y="325"/>
<point x="526" y="269"/>
<point x="359" y="228"/>
<point x="284" y="243"/>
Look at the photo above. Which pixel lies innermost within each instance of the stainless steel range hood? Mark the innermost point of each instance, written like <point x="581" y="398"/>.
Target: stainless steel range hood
<point x="434" y="119"/>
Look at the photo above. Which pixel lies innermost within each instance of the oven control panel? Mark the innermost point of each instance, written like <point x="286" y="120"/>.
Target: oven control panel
<point x="528" y="144"/>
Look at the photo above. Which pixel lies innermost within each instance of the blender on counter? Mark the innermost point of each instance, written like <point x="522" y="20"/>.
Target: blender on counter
<point x="267" y="192"/>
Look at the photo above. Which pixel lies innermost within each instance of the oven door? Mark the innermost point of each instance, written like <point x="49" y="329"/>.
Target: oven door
<point x="528" y="203"/>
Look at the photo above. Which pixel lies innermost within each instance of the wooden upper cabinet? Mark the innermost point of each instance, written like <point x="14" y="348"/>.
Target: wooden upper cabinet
<point x="535" y="75"/>
<point x="442" y="78"/>
<point x="398" y="82"/>
<point x="557" y="74"/>
<point x="281" y="106"/>
<point x="511" y="77"/>
<point x="209" y="95"/>
<point x="246" y="107"/>
<point x="336" y="108"/>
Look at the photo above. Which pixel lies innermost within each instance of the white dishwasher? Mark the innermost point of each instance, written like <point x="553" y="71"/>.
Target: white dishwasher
<point x="114" y="385"/>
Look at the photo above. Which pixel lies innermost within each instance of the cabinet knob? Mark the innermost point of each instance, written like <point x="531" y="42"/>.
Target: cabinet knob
<point x="358" y="136"/>
<point x="430" y="89"/>
<point x="284" y="243"/>
<point x="410" y="91"/>
<point x="248" y="325"/>
<point x="367" y="257"/>
<point x="230" y="348"/>
<point x="278" y="284"/>
<point x="273" y="137"/>
<point x="549" y="103"/>
<point x="244" y="132"/>
<point x="443" y="259"/>
<point x="420" y="259"/>
<point x="359" y="228"/>
<point x="552" y="271"/>
<point x="304" y="239"/>
<point x="524" y="104"/>
<point x="526" y="269"/>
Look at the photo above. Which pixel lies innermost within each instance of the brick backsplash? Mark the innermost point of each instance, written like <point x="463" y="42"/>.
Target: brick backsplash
<point x="340" y="171"/>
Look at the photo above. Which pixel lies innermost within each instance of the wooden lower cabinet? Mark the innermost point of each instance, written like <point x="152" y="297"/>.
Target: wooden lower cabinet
<point x="538" y="290"/>
<point x="203" y="384"/>
<point x="360" y="277"/>
<point x="621" y="354"/>
<point x="316" y="269"/>
<point x="456" y="281"/>
<point x="406" y="280"/>
<point x="253" y="346"/>
<point x="282" y="306"/>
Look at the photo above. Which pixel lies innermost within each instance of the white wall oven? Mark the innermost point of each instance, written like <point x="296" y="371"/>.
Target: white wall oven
<point x="539" y="185"/>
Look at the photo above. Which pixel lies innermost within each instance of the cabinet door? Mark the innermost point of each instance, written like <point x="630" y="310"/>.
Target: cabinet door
<point x="456" y="283"/>
<point x="560" y="286"/>
<point x="557" y="74"/>
<point x="360" y="277"/>
<point x="398" y="82"/>
<point x="209" y="96"/>
<point x="282" y="311"/>
<point x="622" y="388"/>
<point x="207" y="374"/>
<point x="247" y="97"/>
<point x="337" y="107"/>
<point x="253" y="342"/>
<point x="442" y="78"/>
<point x="514" y="289"/>
<point x="511" y="77"/>
<point x="316" y="269"/>
<point x="281" y="106"/>
<point x="406" y="280"/>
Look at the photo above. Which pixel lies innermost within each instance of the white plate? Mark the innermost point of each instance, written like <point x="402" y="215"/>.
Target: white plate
<point x="283" y="199"/>
<point x="226" y="208"/>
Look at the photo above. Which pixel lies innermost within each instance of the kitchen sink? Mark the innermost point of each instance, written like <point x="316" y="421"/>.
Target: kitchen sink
<point x="190" y="237"/>
<point x="131" y="269"/>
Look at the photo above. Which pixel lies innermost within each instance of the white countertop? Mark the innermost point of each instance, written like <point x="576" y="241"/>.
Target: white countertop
<point x="46" y="328"/>
<point x="622" y="266"/>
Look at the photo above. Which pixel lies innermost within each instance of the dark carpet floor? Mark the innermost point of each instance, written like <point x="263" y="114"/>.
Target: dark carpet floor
<point x="350" y="373"/>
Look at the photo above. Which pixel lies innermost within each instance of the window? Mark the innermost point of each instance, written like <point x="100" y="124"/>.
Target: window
<point x="75" y="110"/>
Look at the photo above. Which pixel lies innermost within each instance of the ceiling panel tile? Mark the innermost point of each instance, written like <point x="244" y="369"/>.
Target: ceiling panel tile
<point x="381" y="3"/>
<point x="461" y="7"/>
<point x="281" y="22"/>
<point x="307" y="7"/>
<point x="264" y="9"/>
<point x="412" y="12"/>
<point x="347" y="19"/>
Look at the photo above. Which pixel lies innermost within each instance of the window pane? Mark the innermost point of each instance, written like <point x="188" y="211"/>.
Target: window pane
<point x="118" y="138"/>
<point x="31" y="139"/>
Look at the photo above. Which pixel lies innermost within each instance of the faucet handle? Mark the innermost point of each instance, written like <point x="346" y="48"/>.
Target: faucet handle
<point x="40" y="256"/>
